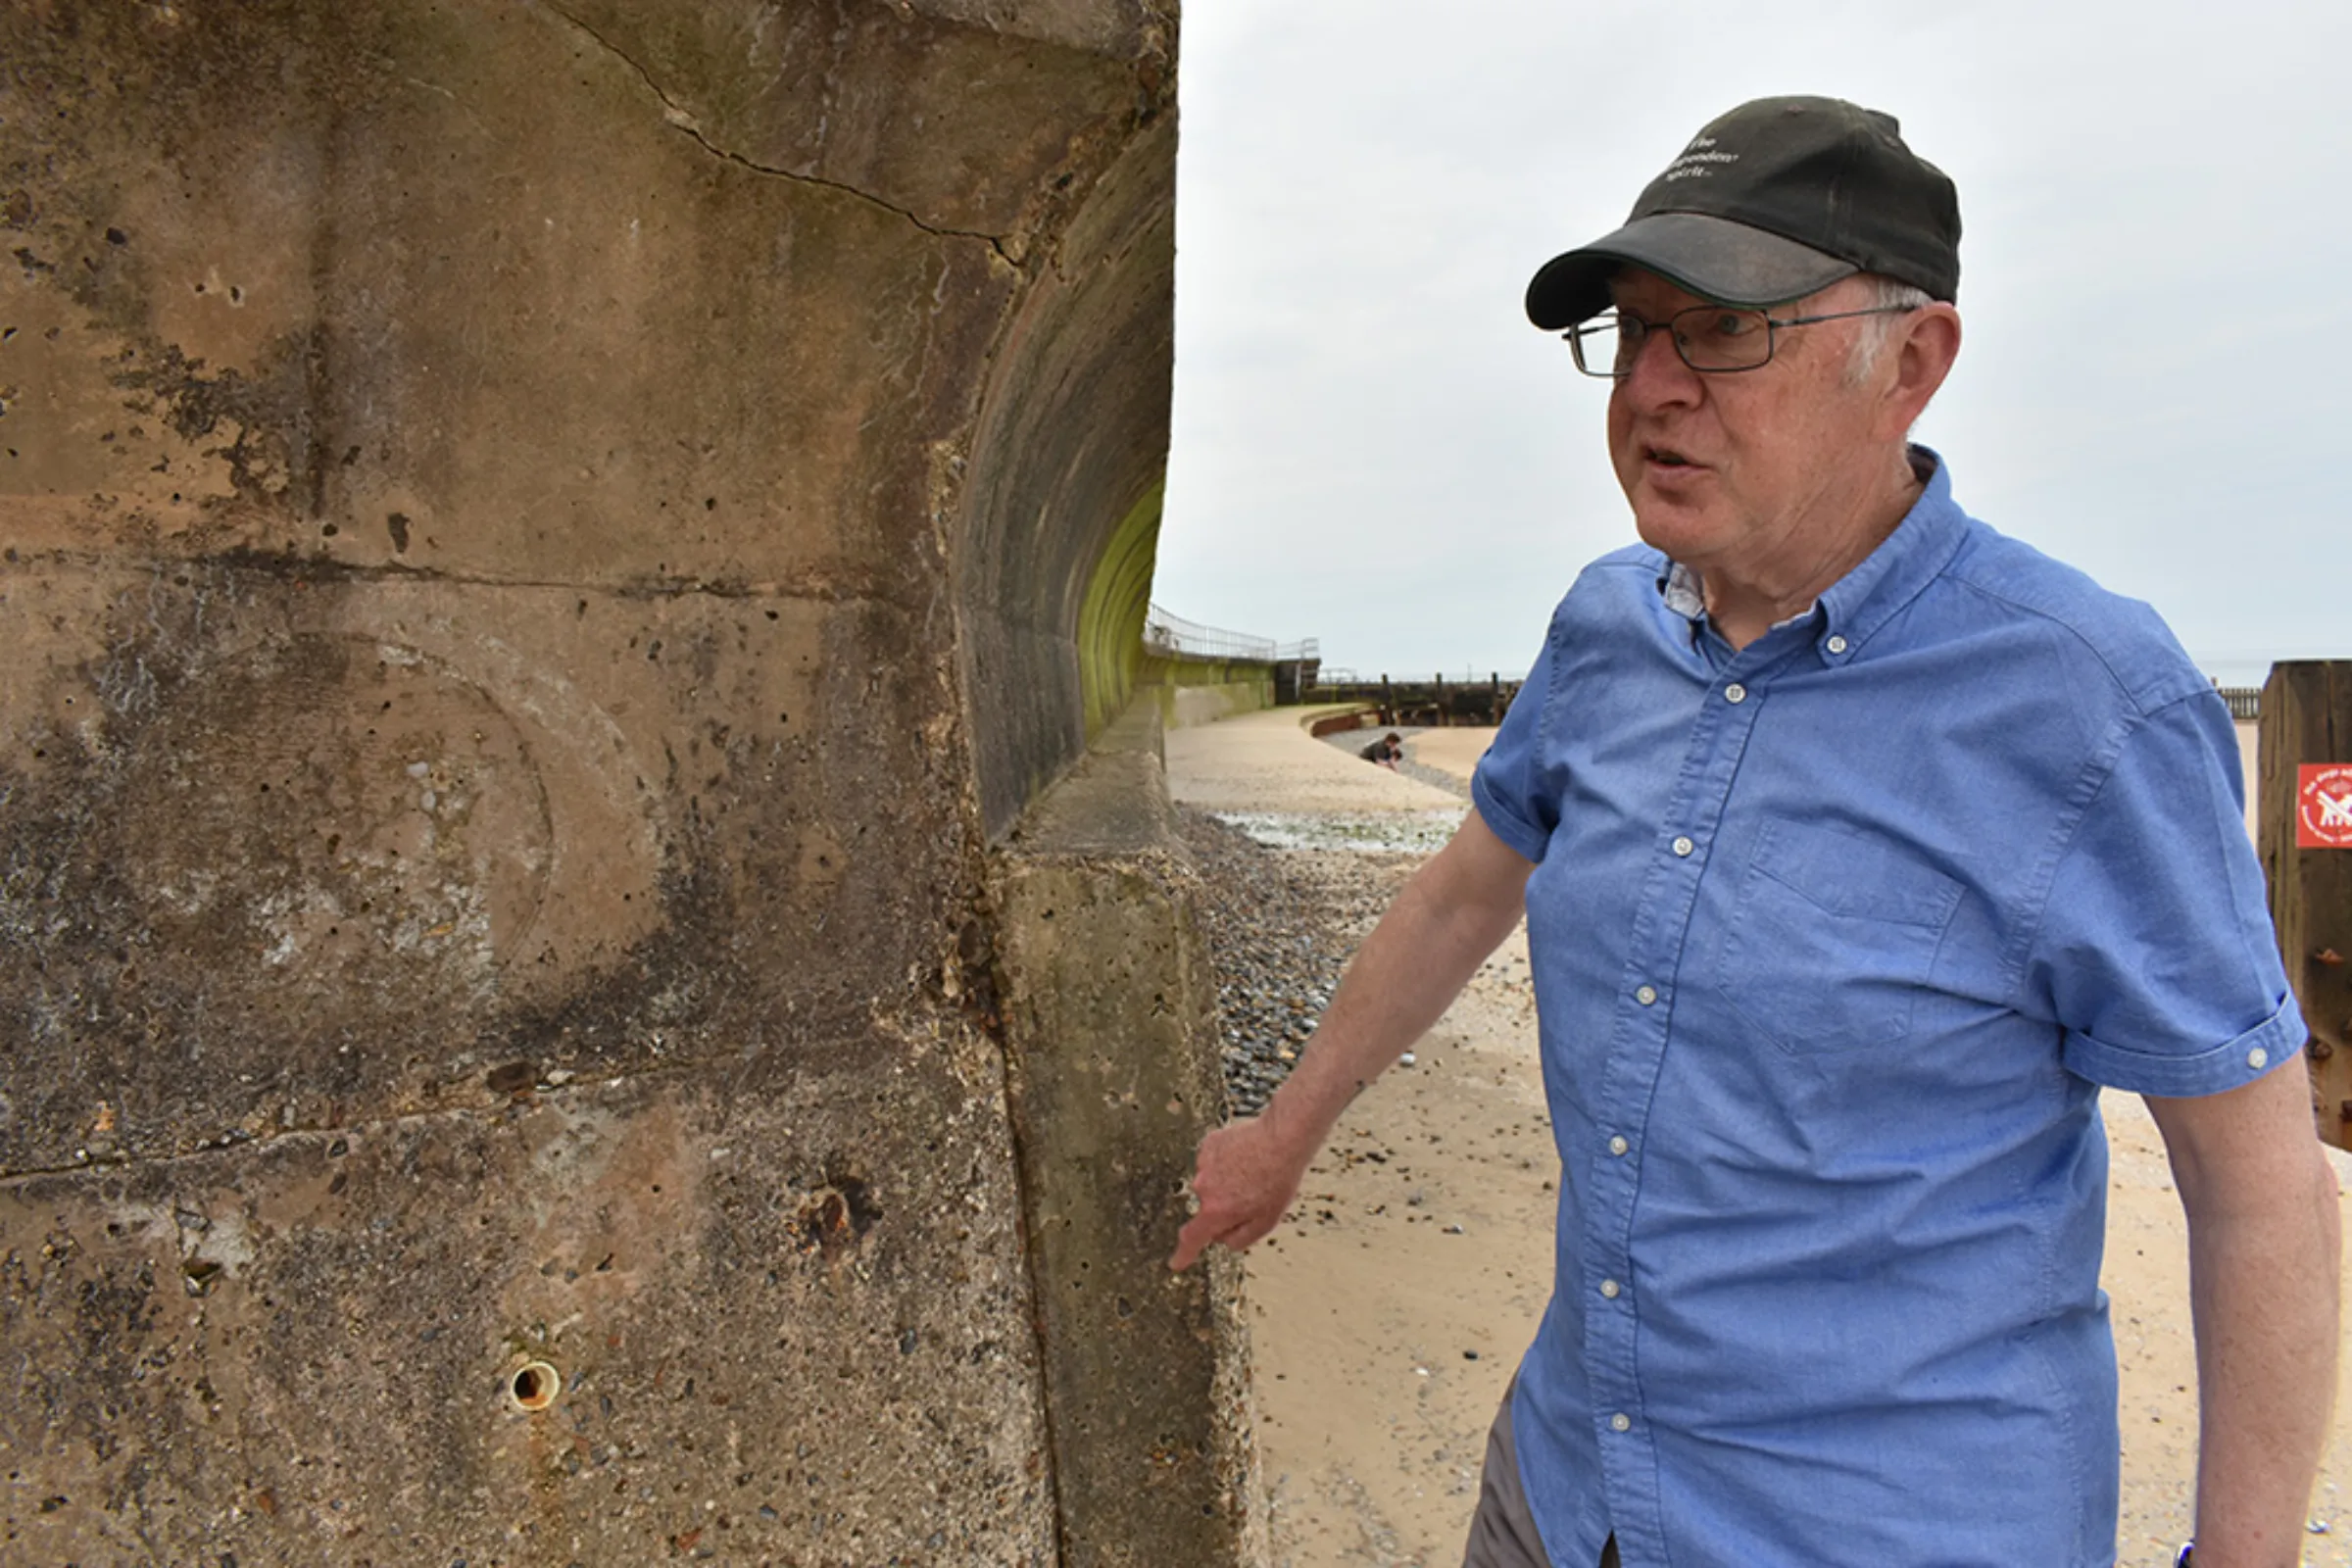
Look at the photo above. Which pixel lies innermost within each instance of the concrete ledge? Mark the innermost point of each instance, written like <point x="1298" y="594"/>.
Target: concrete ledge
<point x="1323" y="721"/>
<point x="1113" y="1067"/>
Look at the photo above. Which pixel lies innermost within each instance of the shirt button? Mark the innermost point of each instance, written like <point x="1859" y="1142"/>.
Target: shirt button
<point x="1734" y="693"/>
<point x="1618" y="1144"/>
<point x="2258" y="1058"/>
<point x="1610" y="1289"/>
<point x="1621" y="1422"/>
<point x="1836" y="645"/>
<point x="1646" y="995"/>
<point x="1684" y="846"/>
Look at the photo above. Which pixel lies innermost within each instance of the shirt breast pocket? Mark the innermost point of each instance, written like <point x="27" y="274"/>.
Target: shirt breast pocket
<point x="1834" y="937"/>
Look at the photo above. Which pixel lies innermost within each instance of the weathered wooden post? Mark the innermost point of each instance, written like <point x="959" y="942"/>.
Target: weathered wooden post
<point x="2305" y="796"/>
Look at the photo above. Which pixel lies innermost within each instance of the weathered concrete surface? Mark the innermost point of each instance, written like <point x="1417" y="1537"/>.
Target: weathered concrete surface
<point x="287" y="849"/>
<point x="302" y="1351"/>
<point x="497" y="749"/>
<point x="1111" y="1035"/>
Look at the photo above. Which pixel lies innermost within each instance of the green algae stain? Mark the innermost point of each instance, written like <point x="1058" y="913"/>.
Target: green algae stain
<point x="1110" y="619"/>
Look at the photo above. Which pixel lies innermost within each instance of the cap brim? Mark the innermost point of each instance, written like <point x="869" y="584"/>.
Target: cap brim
<point x="1714" y="258"/>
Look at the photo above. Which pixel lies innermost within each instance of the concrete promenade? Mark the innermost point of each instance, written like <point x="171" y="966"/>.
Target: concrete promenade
<point x="1266" y="761"/>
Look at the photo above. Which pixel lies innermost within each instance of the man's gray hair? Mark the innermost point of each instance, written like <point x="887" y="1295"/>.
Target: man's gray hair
<point x="1892" y="296"/>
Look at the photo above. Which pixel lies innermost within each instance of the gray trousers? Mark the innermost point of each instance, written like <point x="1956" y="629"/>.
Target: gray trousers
<point x="1502" y="1533"/>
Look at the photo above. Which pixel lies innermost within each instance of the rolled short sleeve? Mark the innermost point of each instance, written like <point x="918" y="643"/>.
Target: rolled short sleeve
<point x="2155" y="951"/>
<point x="1508" y="786"/>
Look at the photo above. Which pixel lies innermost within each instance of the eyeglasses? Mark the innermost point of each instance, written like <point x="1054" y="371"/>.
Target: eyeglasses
<point x="1713" y="339"/>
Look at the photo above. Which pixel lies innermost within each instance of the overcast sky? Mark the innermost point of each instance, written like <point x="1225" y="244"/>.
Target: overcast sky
<point x="1372" y="446"/>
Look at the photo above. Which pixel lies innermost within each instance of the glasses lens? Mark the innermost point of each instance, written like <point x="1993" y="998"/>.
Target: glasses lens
<point x="1596" y="344"/>
<point x="1719" y="337"/>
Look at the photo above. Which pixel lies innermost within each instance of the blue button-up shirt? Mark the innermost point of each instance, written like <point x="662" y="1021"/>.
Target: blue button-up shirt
<point x="1835" y="939"/>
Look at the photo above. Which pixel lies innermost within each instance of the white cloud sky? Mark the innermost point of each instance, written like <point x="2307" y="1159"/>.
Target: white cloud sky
<point x="1372" y="446"/>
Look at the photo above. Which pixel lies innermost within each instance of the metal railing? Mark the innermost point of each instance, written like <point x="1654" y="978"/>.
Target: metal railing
<point x="2246" y="702"/>
<point x="1172" y="636"/>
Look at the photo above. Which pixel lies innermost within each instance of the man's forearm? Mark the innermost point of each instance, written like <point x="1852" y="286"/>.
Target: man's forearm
<point x="1400" y="981"/>
<point x="1431" y="940"/>
<point x="2263" y="1288"/>
<point x="2265" y="1248"/>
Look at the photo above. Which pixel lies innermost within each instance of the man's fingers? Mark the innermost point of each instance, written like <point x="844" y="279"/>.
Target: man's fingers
<point x="1237" y="1233"/>
<point x="1191" y="1240"/>
<point x="1239" y="1192"/>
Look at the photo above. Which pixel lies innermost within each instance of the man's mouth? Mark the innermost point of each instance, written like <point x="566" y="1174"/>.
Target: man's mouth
<point x="1667" y="458"/>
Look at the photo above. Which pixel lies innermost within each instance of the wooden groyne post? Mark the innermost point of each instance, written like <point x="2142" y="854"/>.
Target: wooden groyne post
<point x="2305" y="795"/>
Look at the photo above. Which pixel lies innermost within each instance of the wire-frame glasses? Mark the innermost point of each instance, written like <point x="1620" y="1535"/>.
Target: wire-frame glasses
<point x="1713" y="339"/>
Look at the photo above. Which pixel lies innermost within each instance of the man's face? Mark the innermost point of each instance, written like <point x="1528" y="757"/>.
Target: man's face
<point x="1747" y="473"/>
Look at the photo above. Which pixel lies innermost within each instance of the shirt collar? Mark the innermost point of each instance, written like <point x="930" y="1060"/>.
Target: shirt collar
<point x="1890" y="577"/>
<point x="1681" y="587"/>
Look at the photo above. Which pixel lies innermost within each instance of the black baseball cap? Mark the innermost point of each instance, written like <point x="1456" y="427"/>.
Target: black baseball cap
<point x="1775" y="200"/>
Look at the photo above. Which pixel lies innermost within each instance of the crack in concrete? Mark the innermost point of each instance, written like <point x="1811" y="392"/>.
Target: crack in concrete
<point x="682" y="119"/>
<point x="229" y="1142"/>
<point x="309" y="569"/>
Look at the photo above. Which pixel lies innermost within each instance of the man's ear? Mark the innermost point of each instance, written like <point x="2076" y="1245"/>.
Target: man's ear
<point x="1922" y="357"/>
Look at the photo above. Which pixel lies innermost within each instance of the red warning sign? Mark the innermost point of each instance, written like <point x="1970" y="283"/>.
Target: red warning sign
<point x="2324" y="805"/>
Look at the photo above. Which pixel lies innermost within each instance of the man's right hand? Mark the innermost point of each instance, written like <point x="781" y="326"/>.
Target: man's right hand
<point x="1246" y="1177"/>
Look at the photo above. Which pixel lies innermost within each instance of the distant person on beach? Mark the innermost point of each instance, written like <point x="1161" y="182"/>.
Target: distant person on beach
<point x="1386" y="751"/>
<point x="1859" y="847"/>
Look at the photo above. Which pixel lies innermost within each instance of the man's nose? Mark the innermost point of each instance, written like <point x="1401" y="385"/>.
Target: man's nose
<point x="1658" y="375"/>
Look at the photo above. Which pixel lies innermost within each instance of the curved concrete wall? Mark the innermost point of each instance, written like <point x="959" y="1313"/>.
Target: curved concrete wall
<point x="1062" y="503"/>
<point x="535" y="542"/>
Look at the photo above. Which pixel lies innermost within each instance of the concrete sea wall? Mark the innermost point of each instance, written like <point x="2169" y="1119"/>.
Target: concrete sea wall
<point x="545" y="551"/>
<point x="1188" y="691"/>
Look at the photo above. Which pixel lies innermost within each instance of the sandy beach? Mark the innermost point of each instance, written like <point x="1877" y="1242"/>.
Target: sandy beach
<point x="1390" y="1309"/>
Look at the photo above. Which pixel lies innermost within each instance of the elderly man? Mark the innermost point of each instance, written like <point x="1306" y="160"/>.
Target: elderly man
<point x="1859" y="847"/>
